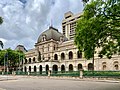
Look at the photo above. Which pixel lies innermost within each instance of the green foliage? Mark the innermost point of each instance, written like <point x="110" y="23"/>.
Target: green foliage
<point x="1" y="44"/>
<point x="11" y="57"/>
<point x="1" y="20"/>
<point x="99" y="27"/>
<point x="102" y="73"/>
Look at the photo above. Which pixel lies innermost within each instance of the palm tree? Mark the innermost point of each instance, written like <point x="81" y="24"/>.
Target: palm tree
<point x="1" y="44"/>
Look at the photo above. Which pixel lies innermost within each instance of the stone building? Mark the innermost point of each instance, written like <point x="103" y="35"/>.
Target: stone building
<point x="56" y="52"/>
<point x="21" y="48"/>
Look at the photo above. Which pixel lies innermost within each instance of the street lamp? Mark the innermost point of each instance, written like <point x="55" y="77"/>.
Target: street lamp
<point x="5" y="57"/>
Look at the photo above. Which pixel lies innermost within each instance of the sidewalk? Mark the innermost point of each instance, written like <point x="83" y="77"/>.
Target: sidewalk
<point x="7" y="77"/>
<point x="17" y="77"/>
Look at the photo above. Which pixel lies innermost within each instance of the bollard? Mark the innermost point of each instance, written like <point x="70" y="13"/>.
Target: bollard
<point x="49" y="73"/>
<point x="28" y="73"/>
<point x="2" y="73"/>
<point x="81" y="73"/>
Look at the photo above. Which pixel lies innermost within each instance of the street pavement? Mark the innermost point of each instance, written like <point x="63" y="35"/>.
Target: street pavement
<point x="37" y="83"/>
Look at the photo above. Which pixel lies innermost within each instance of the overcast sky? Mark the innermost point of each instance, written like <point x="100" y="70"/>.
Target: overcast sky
<point x="25" y="20"/>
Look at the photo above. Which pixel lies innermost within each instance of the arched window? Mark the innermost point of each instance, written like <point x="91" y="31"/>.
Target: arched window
<point x="104" y="66"/>
<point x="116" y="66"/>
<point x="25" y="69"/>
<point x="43" y="57"/>
<point x="70" y="55"/>
<point x="44" y="38"/>
<point x="25" y="61"/>
<point x="54" y="47"/>
<point x="62" y="56"/>
<point x="70" y="67"/>
<point x="40" y="69"/>
<point x="47" y="68"/>
<point x="80" y="66"/>
<point x="22" y="62"/>
<point x="29" y="68"/>
<point x="35" y="69"/>
<point x="55" y="57"/>
<point x="39" y="56"/>
<point x="79" y="54"/>
<point x="34" y="59"/>
<point x="90" y="66"/>
<point x="55" y="68"/>
<point x="29" y="60"/>
<point x="62" y="68"/>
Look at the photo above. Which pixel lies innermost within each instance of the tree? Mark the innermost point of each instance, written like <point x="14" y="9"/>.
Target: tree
<point x="1" y="21"/>
<point x="99" y="27"/>
<point x="1" y="44"/>
<point x="12" y="57"/>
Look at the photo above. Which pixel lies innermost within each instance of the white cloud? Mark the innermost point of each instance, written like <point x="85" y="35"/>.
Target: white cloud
<point x="24" y="20"/>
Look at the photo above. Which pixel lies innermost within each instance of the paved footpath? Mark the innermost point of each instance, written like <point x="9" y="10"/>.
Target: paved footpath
<point x="40" y="83"/>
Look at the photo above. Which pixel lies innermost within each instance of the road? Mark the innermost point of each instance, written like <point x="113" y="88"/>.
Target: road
<point x="23" y="83"/>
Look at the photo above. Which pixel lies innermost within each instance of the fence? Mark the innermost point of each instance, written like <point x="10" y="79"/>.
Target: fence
<point x="69" y="73"/>
<point x="101" y="73"/>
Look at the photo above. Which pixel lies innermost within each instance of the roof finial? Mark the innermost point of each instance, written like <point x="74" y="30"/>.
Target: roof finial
<point x="51" y="23"/>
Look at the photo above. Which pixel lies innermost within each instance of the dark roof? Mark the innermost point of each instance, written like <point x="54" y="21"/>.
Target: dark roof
<point x="51" y="33"/>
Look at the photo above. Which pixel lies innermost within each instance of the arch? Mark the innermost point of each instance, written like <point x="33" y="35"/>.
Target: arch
<point x="25" y="69"/>
<point x="55" y="57"/>
<point x="39" y="56"/>
<point x="79" y="54"/>
<point x="62" y="56"/>
<point x="70" y="67"/>
<point x="25" y="61"/>
<point x="43" y="57"/>
<point x="22" y="62"/>
<point x="70" y="55"/>
<point x="90" y="66"/>
<point x="54" y="47"/>
<point x="29" y="60"/>
<point x="29" y="68"/>
<point x="47" y="68"/>
<point x="63" y="68"/>
<point x="35" y="69"/>
<point x="55" y="68"/>
<point x="80" y="66"/>
<point x="104" y="66"/>
<point x="34" y="59"/>
<point x="116" y="66"/>
<point x="40" y="69"/>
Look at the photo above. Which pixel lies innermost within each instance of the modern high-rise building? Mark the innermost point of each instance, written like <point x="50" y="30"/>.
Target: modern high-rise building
<point x="69" y="24"/>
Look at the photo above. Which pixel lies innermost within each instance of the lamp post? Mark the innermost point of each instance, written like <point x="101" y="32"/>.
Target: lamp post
<point x="4" y="64"/>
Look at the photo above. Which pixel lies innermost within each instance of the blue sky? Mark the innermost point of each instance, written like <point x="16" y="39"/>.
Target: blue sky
<point x="25" y="20"/>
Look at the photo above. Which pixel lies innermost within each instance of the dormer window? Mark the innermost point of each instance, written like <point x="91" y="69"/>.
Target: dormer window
<point x="44" y="38"/>
<point x="61" y="39"/>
